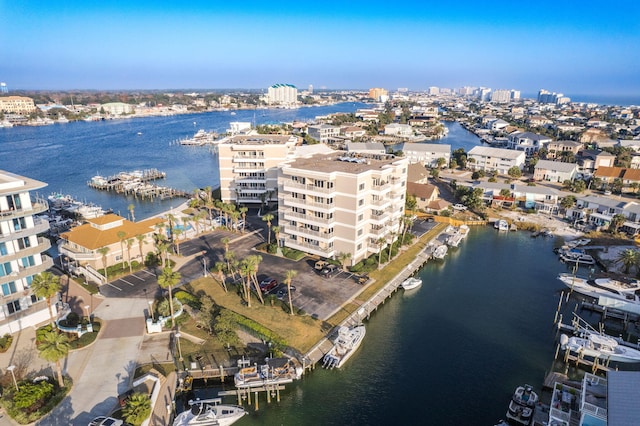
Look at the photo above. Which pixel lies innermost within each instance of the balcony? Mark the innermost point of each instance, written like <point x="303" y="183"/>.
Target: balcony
<point x="292" y="186"/>
<point x="305" y="203"/>
<point x="78" y="255"/>
<point x="254" y="157"/>
<point x="43" y="245"/>
<point x="240" y="167"/>
<point x="40" y="227"/>
<point x="16" y="316"/>
<point x="310" y="248"/>
<point x="381" y="202"/>
<point x="37" y="207"/>
<point x="380" y="216"/>
<point x="23" y="272"/>
<point x="378" y="232"/>
<point x="307" y="218"/>
<point x="298" y="230"/>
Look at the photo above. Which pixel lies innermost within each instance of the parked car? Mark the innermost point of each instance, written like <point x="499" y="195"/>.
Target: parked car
<point x="218" y="221"/>
<point x="459" y="207"/>
<point x="238" y="225"/>
<point x="268" y="284"/>
<point x="282" y="292"/>
<point x="320" y="264"/>
<point x="105" y="421"/>
<point x="330" y="270"/>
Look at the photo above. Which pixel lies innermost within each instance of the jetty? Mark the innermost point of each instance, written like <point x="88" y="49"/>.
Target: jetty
<point x="137" y="183"/>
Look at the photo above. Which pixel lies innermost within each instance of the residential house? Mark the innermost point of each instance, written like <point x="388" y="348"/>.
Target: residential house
<point x="425" y="194"/>
<point x="554" y="171"/>
<point x="527" y="141"/>
<point x="366" y="147"/>
<point x="397" y="129"/>
<point x="83" y="244"/>
<point x="21" y="252"/>
<point x="340" y="203"/>
<point x="324" y="133"/>
<point x="539" y="198"/>
<point x="598" y="212"/>
<point x="353" y="132"/>
<point x="538" y="121"/>
<point x="591" y="160"/>
<point x="427" y="154"/>
<point x="417" y="173"/>
<point x="609" y="174"/>
<point x="495" y="159"/>
<point x="556" y="148"/>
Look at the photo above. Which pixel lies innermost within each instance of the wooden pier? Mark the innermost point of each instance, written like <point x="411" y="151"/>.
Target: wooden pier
<point x="137" y="183"/>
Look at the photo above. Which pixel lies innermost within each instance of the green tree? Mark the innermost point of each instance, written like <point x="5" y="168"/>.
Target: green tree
<point x="53" y="347"/>
<point x="268" y="218"/>
<point x="343" y="257"/>
<point x="129" y="243"/>
<point x="629" y="258"/>
<point x="225" y="328"/>
<point x="616" y="222"/>
<point x="121" y="236"/>
<point x="568" y="202"/>
<point x="514" y="172"/>
<point x="411" y="203"/>
<point x="137" y="409"/>
<point x="131" y="209"/>
<point x="103" y="252"/>
<point x="141" y="241"/>
<point x="167" y="280"/>
<point x="441" y="162"/>
<point x="46" y="285"/>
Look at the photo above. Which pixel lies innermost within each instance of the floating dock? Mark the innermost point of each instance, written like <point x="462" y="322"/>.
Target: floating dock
<point x="137" y="183"/>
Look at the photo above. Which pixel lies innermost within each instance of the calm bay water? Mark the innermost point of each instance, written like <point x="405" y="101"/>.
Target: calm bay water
<point x="448" y="353"/>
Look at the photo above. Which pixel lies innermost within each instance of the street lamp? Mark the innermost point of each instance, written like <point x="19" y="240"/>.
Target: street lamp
<point x="204" y="264"/>
<point x="86" y="307"/>
<point x="179" y="348"/>
<point x="11" y="368"/>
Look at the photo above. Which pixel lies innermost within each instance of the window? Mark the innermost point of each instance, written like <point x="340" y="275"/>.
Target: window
<point x="359" y="232"/>
<point x="19" y="223"/>
<point x="27" y="261"/>
<point x="360" y="202"/>
<point x="359" y="246"/>
<point x="5" y="269"/>
<point x="8" y="288"/>
<point x="3" y="249"/>
<point x="13" y="307"/>
<point x="360" y="217"/>
<point x="361" y="187"/>
<point x="24" y="243"/>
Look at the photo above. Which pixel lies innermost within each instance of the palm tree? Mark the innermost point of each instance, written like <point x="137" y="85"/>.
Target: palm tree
<point x="121" y="235"/>
<point x="53" y="347"/>
<point x="245" y="271"/>
<point x="616" y="222"/>
<point x="167" y="280"/>
<point x="219" y="269"/>
<point x="380" y="242"/>
<point x="254" y="262"/>
<point x="268" y="218"/>
<point x="225" y="242"/>
<point x="172" y="220"/>
<point x="629" y="258"/>
<point x="163" y="248"/>
<point x="129" y="244"/>
<point x="177" y="232"/>
<point x="103" y="252"/>
<point x="141" y="242"/>
<point x="342" y="258"/>
<point x="243" y="212"/>
<point x="276" y="234"/>
<point x="137" y="408"/>
<point x="291" y="273"/>
<point x="131" y="209"/>
<point x="46" y="285"/>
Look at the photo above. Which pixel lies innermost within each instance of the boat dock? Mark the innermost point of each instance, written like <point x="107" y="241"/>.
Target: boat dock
<point x="137" y="183"/>
<point x="315" y="354"/>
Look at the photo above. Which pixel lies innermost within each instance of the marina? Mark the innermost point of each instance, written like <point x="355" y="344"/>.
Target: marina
<point x="136" y="183"/>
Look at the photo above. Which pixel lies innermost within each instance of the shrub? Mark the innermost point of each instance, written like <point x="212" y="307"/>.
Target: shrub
<point x="5" y="342"/>
<point x="272" y="248"/>
<point x="72" y="320"/>
<point x="292" y="253"/>
<point x="32" y="396"/>
<point x="188" y="299"/>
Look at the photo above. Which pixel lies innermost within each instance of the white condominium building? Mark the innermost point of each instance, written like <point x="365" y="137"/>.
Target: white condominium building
<point x="495" y="159"/>
<point x="282" y="94"/>
<point x="21" y="253"/>
<point x="249" y="164"/>
<point x="17" y="104"/>
<point x="340" y="203"/>
<point x="427" y="153"/>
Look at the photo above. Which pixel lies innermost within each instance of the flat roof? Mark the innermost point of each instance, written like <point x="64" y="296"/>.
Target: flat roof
<point x="260" y="140"/>
<point x="486" y="151"/>
<point x="11" y="183"/>
<point x="343" y="162"/>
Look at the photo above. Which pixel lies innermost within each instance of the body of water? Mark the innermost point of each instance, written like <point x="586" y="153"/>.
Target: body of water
<point x="448" y="353"/>
<point x="67" y="156"/>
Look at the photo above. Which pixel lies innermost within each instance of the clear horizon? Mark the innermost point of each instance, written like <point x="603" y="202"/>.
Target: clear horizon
<point x="143" y="45"/>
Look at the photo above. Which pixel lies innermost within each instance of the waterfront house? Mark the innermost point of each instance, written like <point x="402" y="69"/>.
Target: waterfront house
<point x="248" y="166"/>
<point x="554" y="171"/>
<point x="417" y="173"/>
<point x="542" y="199"/>
<point x="498" y="159"/>
<point x="427" y="154"/>
<point x="397" y="129"/>
<point x="633" y="144"/>
<point x="598" y="212"/>
<point x="352" y="131"/>
<point x="341" y="203"/>
<point x="426" y="195"/>
<point x="527" y="141"/>
<point x="17" y="105"/>
<point x="21" y="252"/>
<point x="83" y="244"/>
<point x="366" y="148"/>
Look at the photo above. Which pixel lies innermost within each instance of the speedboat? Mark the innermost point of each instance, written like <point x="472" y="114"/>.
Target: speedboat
<point x="411" y="283"/>
<point x="607" y="287"/>
<point x="501" y="225"/>
<point x="347" y="342"/>
<point x="440" y="252"/>
<point x="209" y="412"/>
<point x="274" y="371"/>
<point x="593" y="344"/>
<point x="522" y="405"/>
<point x="573" y="256"/>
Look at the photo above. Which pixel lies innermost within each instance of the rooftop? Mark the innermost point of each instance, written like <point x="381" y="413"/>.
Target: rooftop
<point x="11" y="183"/>
<point x="343" y="162"/>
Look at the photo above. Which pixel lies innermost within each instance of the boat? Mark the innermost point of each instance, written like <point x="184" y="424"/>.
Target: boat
<point x="592" y="344"/>
<point x="274" y="371"/>
<point x="577" y="257"/>
<point x="522" y="405"/>
<point x="440" y="252"/>
<point x="209" y="412"/>
<point x="501" y="225"/>
<point x="348" y="341"/>
<point x="603" y="287"/>
<point x="411" y="283"/>
<point x="453" y="240"/>
<point x="463" y="230"/>
<point x="201" y="137"/>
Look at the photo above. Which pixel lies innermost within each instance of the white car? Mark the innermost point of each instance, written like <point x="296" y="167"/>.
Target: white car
<point x="105" y="421"/>
<point x="459" y="207"/>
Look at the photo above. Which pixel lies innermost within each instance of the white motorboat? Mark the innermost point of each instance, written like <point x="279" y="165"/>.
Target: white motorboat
<point x="603" y="287"/>
<point x="522" y="405"/>
<point x="453" y="240"/>
<point x="411" y="283"/>
<point x="440" y="252"/>
<point x="579" y="257"/>
<point x="463" y="230"/>
<point x="348" y="341"/>
<point x="501" y="225"/>
<point x="599" y="345"/>
<point x="209" y="412"/>
<point x="274" y="371"/>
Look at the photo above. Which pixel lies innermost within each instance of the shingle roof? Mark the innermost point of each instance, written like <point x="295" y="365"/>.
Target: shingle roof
<point x="90" y="237"/>
<point x="486" y="151"/>
<point x="557" y="166"/>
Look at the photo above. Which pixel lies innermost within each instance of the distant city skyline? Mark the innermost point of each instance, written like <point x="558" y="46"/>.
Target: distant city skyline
<point x="147" y="45"/>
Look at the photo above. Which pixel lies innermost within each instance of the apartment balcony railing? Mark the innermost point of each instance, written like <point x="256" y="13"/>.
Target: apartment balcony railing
<point x="305" y="203"/>
<point x="240" y="157"/>
<point x="35" y="307"/>
<point x="305" y="231"/>
<point x="68" y="251"/>
<point x="37" y="207"/>
<point x="290" y="185"/>
<point x="310" y="248"/>
<point x="378" y="232"/>
<point x="381" y="202"/>
<point x="43" y="245"/>
<point x="240" y="167"/>
<point x="289" y="215"/>
<point x="24" y="272"/>
<point x="40" y="227"/>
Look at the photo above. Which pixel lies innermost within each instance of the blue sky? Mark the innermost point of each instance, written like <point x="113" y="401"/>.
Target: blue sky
<point x="563" y="46"/>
